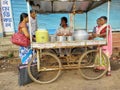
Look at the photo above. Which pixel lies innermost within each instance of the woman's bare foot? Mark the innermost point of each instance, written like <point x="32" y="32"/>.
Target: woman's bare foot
<point x="108" y="73"/>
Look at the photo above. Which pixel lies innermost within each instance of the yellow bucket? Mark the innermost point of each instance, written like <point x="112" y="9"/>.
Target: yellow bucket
<point x="42" y="36"/>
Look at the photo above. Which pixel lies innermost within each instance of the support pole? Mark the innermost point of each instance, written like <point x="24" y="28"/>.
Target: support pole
<point x="108" y="12"/>
<point x="108" y="17"/>
<point x="86" y="21"/>
<point x="28" y="8"/>
<point x="72" y="17"/>
<point x="38" y="59"/>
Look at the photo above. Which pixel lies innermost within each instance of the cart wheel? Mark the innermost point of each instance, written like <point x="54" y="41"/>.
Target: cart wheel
<point x="50" y="68"/>
<point x="89" y="62"/>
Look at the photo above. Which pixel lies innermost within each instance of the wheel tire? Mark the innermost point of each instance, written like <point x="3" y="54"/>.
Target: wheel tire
<point x="49" y="81"/>
<point x="86" y="75"/>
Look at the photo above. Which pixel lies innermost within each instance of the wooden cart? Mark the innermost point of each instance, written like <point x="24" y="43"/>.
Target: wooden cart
<point x="81" y="55"/>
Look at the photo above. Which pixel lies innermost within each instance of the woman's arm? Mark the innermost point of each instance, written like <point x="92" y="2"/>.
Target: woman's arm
<point x="101" y="35"/>
<point x="26" y="33"/>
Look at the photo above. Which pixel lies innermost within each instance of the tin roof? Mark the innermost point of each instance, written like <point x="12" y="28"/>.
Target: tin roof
<point x="65" y="6"/>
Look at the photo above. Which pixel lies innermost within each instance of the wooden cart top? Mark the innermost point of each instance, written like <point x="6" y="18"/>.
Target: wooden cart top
<point x="68" y="6"/>
<point x="66" y="44"/>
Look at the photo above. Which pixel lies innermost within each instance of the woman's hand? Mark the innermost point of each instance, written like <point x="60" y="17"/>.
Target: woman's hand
<point x="95" y="35"/>
<point x="34" y="39"/>
<point x="68" y="34"/>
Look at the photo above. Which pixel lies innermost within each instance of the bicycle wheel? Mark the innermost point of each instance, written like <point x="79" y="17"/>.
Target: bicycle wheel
<point x="50" y="68"/>
<point x="88" y="62"/>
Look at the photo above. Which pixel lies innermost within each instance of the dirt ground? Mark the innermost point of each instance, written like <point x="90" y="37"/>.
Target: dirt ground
<point x="69" y="80"/>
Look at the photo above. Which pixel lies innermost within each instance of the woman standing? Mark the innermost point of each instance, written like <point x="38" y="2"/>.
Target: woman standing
<point x="101" y="34"/>
<point x="25" y="53"/>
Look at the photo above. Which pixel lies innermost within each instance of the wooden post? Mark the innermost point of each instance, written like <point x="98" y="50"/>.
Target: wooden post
<point x="28" y="8"/>
<point x="108" y="17"/>
<point x="38" y="59"/>
<point x="72" y="23"/>
<point x="86" y="21"/>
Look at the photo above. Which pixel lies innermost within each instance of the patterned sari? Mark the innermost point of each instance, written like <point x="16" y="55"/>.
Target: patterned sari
<point x="25" y="53"/>
<point x="103" y="29"/>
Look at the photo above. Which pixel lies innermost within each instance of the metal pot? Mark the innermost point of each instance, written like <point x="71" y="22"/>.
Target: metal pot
<point x="61" y="38"/>
<point x="69" y="38"/>
<point x="52" y="38"/>
<point x="80" y="35"/>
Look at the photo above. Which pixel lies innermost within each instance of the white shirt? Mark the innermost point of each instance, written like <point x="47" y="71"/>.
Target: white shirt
<point x="33" y="25"/>
<point x="64" y="31"/>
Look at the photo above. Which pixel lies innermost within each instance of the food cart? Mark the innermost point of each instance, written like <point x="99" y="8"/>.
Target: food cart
<point x="49" y="64"/>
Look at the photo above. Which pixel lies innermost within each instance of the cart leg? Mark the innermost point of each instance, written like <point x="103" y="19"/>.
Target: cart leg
<point x="38" y="59"/>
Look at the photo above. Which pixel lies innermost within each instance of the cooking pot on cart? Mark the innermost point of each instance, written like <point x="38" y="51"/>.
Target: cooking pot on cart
<point x="64" y="38"/>
<point x="69" y="38"/>
<point x="61" y="38"/>
<point x="52" y="38"/>
<point x="79" y="35"/>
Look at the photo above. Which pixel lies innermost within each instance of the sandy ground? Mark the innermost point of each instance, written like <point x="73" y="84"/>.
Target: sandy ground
<point x="69" y="80"/>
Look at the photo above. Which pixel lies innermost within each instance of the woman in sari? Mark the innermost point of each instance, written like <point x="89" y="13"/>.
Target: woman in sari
<point x="100" y="34"/>
<point x="25" y="53"/>
<point x="95" y="29"/>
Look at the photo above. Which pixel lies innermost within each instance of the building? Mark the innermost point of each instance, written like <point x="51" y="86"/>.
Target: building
<point x="10" y="11"/>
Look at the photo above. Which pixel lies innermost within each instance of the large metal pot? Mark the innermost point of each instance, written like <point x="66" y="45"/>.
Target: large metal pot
<point x="80" y="35"/>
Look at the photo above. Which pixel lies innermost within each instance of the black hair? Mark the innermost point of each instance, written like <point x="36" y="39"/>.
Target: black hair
<point x="31" y="11"/>
<point x="104" y="17"/>
<point x="65" y="19"/>
<point x="32" y="3"/>
<point x="22" y="16"/>
<point x="38" y="5"/>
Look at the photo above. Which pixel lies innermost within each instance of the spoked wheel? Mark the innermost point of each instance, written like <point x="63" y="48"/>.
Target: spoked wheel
<point x="89" y="62"/>
<point x="50" y="68"/>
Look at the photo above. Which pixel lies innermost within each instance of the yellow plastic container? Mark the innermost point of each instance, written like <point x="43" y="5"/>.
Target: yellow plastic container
<point x="42" y="36"/>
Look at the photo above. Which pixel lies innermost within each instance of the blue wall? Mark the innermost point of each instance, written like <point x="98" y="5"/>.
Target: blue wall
<point x="18" y="6"/>
<point x="52" y="21"/>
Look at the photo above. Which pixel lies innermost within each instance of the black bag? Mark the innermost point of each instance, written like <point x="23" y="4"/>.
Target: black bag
<point x="23" y="77"/>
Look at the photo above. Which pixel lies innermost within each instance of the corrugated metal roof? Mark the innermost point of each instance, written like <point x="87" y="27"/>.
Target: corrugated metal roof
<point x="65" y="6"/>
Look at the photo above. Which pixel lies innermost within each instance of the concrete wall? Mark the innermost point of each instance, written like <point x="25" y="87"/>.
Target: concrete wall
<point x="116" y="39"/>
